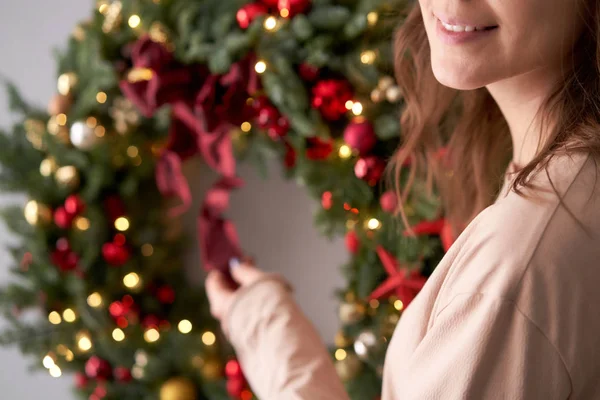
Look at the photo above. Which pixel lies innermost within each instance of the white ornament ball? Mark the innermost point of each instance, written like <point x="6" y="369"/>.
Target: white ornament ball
<point x="82" y="136"/>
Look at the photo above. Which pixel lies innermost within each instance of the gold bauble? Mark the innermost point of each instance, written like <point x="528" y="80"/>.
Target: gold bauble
<point x="348" y="368"/>
<point x="59" y="104"/>
<point x="37" y="213"/>
<point x="67" y="176"/>
<point x="211" y="369"/>
<point x="351" y="312"/>
<point x="178" y="388"/>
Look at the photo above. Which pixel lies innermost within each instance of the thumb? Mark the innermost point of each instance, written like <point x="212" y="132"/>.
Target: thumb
<point x="219" y="293"/>
<point x="244" y="272"/>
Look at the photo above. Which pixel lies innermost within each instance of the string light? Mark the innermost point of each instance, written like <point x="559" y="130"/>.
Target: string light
<point x="94" y="300"/>
<point x="134" y="21"/>
<point x="151" y="335"/>
<point x="82" y="223"/>
<point x="147" y="250"/>
<point x="48" y="166"/>
<point x="132" y="280"/>
<point x="66" y="82"/>
<point x="340" y="354"/>
<point x="101" y="97"/>
<point x="349" y="104"/>
<point x="69" y="315"/>
<point x="345" y="151"/>
<point x="132" y="151"/>
<point x="122" y="224"/>
<point x="100" y="131"/>
<point x="367" y="57"/>
<point x="184" y="326"/>
<point x="48" y="361"/>
<point x="284" y="12"/>
<point x="54" y="318"/>
<point x="91" y="122"/>
<point x="69" y="355"/>
<point x="373" y="223"/>
<point x="372" y="18"/>
<point x="260" y="67"/>
<point x="55" y="371"/>
<point x="103" y="8"/>
<point x="374" y="303"/>
<point x="84" y="342"/>
<point x="61" y="119"/>
<point x="209" y="338"/>
<point x="246" y="126"/>
<point x="270" y="23"/>
<point x="118" y="335"/>
<point x="398" y="305"/>
<point x="137" y="161"/>
<point x="357" y="108"/>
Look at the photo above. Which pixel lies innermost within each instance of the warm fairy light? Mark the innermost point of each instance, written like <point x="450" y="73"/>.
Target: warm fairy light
<point x="349" y="104"/>
<point x="284" y="12"/>
<point x="131" y="280"/>
<point x="101" y="97"/>
<point x="246" y="126"/>
<point x="184" y="326"/>
<point x="91" y="122"/>
<point x="48" y="361"/>
<point x="137" y="161"/>
<point x="374" y="303"/>
<point x="398" y="305"/>
<point x="372" y="18"/>
<point x="122" y="224"/>
<point x="209" y="338"/>
<point x="61" y="119"/>
<point x="345" y="151"/>
<point x="260" y="67"/>
<point x="100" y="131"/>
<point x="103" y="8"/>
<point x="137" y="372"/>
<point x="82" y="223"/>
<point x="94" y="300"/>
<point x="373" y="223"/>
<point x="134" y="21"/>
<point x="118" y="335"/>
<point x="48" y="166"/>
<point x="357" y="108"/>
<point x="65" y="82"/>
<point x="151" y="335"/>
<point x="69" y="315"/>
<point x="55" y="371"/>
<point x="69" y="355"/>
<point x="270" y="23"/>
<point x="340" y="354"/>
<point x="246" y="395"/>
<point x="147" y="250"/>
<point x="31" y="212"/>
<point x="367" y="57"/>
<point x="140" y="74"/>
<point x="132" y="151"/>
<point x="84" y="342"/>
<point x="54" y="318"/>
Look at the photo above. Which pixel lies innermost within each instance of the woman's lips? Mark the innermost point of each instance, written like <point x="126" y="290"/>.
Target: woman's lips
<point x="454" y="33"/>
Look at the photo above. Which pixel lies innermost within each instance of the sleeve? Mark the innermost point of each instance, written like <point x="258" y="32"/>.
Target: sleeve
<point x="483" y="347"/>
<point x="279" y="350"/>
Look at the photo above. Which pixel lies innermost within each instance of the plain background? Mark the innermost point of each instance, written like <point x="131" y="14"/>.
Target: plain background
<point x="274" y="217"/>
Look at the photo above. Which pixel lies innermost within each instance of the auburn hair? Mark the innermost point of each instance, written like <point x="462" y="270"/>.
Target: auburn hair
<point x="471" y="130"/>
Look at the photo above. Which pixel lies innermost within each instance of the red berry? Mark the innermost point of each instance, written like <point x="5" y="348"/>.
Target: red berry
<point x="62" y="218"/>
<point x="122" y="374"/>
<point x="327" y="200"/>
<point x="74" y="204"/>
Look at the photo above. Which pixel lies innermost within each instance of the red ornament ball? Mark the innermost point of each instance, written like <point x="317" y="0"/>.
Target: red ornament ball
<point x="330" y="97"/>
<point x="62" y="218"/>
<point x="122" y="374"/>
<point x="389" y="201"/>
<point x="114" y="207"/>
<point x="81" y="380"/>
<point x="233" y="370"/>
<point x="248" y="13"/>
<point x="289" y="160"/>
<point x="327" y="200"/>
<point x="360" y="136"/>
<point x="352" y="242"/>
<point x="235" y="387"/>
<point x="279" y="129"/>
<point x="165" y="294"/>
<point x="115" y="254"/>
<point x="308" y="72"/>
<point x="74" y="204"/>
<point x="151" y="321"/>
<point x="269" y="3"/>
<point x="98" y="368"/>
<point x="293" y="7"/>
<point x="369" y="169"/>
<point x="267" y="116"/>
<point x="318" y="149"/>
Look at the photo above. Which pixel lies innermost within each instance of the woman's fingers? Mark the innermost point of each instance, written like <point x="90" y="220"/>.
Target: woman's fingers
<point x="219" y="293"/>
<point x="244" y="272"/>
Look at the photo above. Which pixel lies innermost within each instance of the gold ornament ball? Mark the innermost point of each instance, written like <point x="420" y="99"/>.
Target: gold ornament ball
<point x="59" y="104"/>
<point x="212" y="369"/>
<point x="348" y="368"/>
<point x="67" y="176"/>
<point x="178" y="388"/>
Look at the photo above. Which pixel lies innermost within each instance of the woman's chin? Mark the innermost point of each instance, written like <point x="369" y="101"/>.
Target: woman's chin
<point x="457" y="79"/>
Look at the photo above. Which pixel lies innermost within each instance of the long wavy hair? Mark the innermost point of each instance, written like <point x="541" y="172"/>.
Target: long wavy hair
<point x="469" y="126"/>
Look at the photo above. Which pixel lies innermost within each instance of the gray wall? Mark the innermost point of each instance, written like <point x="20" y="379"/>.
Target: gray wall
<point x="274" y="217"/>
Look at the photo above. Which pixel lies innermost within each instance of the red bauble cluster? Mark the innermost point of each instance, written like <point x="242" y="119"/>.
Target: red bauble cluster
<point x="270" y="119"/>
<point x="65" y="214"/>
<point x="98" y="368"/>
<point x="330" y="97"/>
<point x="248" y="13"/>
<point x="124" y="311"/>
<point x="63" y="257"/>
<point x="236" y="381"/>
<point x="116" y="253"/>
<point x="165" y="294"/>
<point x="370" y="169"/>
<point x="286" y="8"/>
<point x="318" y="149"/>
<point x="327" y="200"/>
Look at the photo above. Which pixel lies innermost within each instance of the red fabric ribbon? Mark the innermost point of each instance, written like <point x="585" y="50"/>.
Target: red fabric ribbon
<point x="402" y="282"/>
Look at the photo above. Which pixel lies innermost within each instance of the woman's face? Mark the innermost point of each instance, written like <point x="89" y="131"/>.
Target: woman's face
<point x="511" y="38"/>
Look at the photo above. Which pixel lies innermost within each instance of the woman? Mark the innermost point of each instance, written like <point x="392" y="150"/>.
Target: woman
<point x="511" y="311"/>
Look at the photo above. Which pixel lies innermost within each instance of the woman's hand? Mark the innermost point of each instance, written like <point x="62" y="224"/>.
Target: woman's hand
<point x="219" y="290"/>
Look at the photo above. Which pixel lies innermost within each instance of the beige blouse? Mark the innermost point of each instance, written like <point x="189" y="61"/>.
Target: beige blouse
<point x="511" y="312"/>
